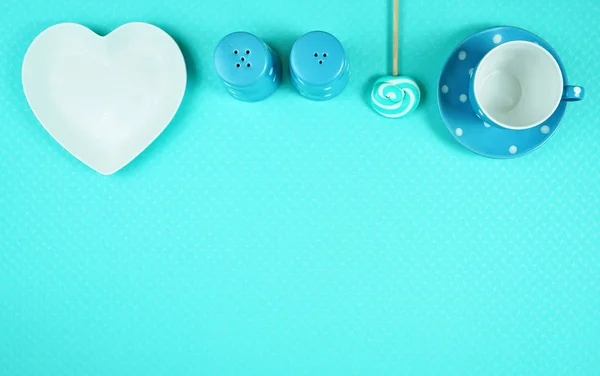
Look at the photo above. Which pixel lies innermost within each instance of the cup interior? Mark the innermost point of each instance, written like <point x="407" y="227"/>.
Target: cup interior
<point x="518" y="85"/>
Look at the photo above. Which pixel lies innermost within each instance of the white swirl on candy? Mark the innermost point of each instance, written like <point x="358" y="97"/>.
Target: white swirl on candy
<point x="395" y="97"/>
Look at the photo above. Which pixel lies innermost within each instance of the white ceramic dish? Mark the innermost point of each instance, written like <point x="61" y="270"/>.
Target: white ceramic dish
<point x="104" y="99"/>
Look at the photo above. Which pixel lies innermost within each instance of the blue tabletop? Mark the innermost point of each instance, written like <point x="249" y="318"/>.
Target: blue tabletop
<point x="297" y="237"/>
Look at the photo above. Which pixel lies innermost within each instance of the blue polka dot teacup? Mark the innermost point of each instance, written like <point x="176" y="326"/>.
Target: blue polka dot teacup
<point x="518" y="85"/>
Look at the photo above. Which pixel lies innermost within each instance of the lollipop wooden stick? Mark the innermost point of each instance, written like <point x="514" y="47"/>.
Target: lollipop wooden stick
<point x="393" y="96"/>
<point x="396" y="37"/>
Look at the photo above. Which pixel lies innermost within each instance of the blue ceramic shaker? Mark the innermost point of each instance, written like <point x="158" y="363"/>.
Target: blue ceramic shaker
<point x="248" y="67"/>
<point x="318" y="66"/>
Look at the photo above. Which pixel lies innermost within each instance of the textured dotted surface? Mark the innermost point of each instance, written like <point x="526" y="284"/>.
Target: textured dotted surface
<point x="294" y="237"/>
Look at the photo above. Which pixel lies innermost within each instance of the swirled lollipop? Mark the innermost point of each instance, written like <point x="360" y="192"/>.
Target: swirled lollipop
<point x="393" y="96"/>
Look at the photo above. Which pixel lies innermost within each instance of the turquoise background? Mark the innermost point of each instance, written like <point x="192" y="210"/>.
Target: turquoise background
<point x="291" y="237"/>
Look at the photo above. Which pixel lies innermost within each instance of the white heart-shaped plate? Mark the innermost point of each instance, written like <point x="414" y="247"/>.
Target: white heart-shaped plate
<point x="104" y="99"/>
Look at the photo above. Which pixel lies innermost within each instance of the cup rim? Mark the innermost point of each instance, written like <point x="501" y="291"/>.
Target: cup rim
<point x="530" y="44"/>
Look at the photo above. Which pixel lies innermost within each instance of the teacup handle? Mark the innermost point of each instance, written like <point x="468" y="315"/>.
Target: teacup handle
<point x="573" y="93"/>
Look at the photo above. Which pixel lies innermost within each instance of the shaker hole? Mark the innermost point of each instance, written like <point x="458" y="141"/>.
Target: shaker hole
<point x="316" y="54"/>
<point x="325" y="55"/>
<point x="243" y="58"/>
<point x="236" y="52"/>
<point x="320" y="61"/>
<point x="247" y="52"/>
<point x="248" y="65"/>
<point x="238" y="65"/>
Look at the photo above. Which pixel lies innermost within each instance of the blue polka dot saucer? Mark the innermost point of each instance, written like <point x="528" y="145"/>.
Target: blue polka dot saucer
<point x="458" y="114"/>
